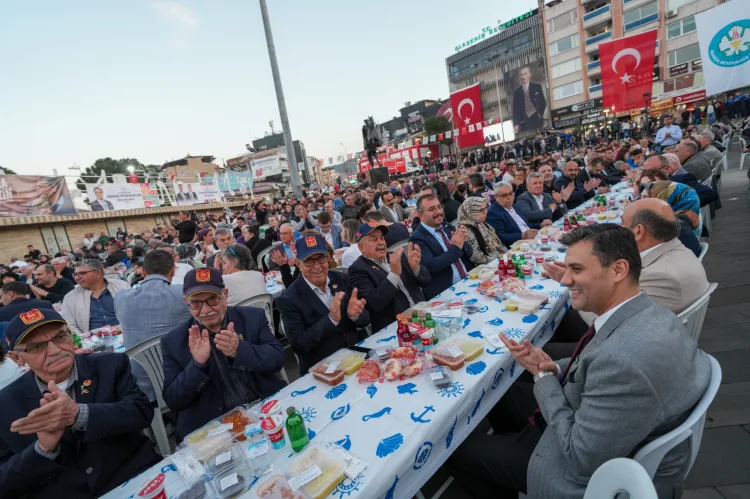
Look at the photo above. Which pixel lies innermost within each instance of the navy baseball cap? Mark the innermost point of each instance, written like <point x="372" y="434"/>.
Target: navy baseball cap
<point x="25" y="322"/>
<point x="202" y="280"/>
<point x="370" y="226"/>
<point x="311" y="244"/>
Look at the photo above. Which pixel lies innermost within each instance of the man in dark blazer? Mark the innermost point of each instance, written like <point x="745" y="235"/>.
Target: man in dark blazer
<point x="321" y="311"/>
<point x="536" y="205"/>
<point x="70" y="427"/>
<point x="14" y="296"/>
<point x="100" y="204"/>
<point x="509" y="223"/>
<point x="594" y="172"/>
<point x="390" y="283"/>
<point x="445" y="252"/>
<point x="581" y="192"/>
<point x="397" y="232"/>
<point x="529" y="103"/>
<point x="221" y="358"/>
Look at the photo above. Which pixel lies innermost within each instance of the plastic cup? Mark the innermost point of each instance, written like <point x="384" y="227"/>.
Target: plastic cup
<point x="153" y="489"/>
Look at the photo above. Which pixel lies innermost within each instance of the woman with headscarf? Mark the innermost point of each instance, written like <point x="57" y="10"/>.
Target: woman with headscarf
<point x="484" y="242"/>
<point x="682" y="198"/>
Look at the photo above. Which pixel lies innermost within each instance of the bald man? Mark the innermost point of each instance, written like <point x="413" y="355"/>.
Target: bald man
<point x="580" y="192"/>
<point x="671" y="274"/>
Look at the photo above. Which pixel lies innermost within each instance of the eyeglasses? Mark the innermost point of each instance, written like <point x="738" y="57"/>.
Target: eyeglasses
<point x="506" y="195"/>
<point x="78" y="275"/>
<point x="198" y="304"/>
<point x="321" y="260"/>
<point x="36" y="348"/>
<point x="435" y="208"/>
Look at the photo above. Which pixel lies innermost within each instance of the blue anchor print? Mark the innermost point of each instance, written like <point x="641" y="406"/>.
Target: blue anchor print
<point x="419" y="419"/>
<point x="386" y="340"/>
<point x="389" y="494"/>
<point x="497" y="321"/>
<point x="461" y="293"/>
<point x="530" y="319"/>
<point x="467" y="322"/>
<point x="407" y="388"/>
<point x="375" y="415"/>
<point x="372" y="390"/>
<point x="449" y="436"/>
<point x="512" y="368"/>
<point x="495" y="351"/>
<point x="475" y="334"/>
<point x="476" y="407"/>
<point x="297" y="393"/>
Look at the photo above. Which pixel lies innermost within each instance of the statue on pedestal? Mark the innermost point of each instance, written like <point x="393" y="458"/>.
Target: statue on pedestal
<point x="371" y="140"/>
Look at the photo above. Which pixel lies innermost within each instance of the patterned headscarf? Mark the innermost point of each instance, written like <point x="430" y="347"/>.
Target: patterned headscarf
<point x="683" y="200"/>
<point x="467" y="215"/>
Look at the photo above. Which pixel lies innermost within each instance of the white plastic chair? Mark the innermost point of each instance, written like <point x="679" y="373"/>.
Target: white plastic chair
<point x="704" y="250"/>
<point x="402" y="244"/>
<point x="262" y="257"/>
<point x="617" y="476"/>
<point x="710" y="180"/>
<point x="264" y="301"/>
<point x="651" y="455"/>
<point x="744" y="154"/>
<point x="693" y="316"/>
<point x="148" y="355"/>
<point x="706" y="218"/>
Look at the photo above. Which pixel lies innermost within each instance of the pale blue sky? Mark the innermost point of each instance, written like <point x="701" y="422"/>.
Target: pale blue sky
<point x="157" y="79"/>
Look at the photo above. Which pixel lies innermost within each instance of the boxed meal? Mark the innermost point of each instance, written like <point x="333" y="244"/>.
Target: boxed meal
<point x="198" y="490"/>
<point x="278" y="487"/>
<point x="530" y="301"/>
<point x="328" y="372"/>
<point x="233" y="482"/>
<point x="224" y="459"/>
<point x="217" y="435"/>
<point x="348" y="360"/>
<point x="317" y="470"/>
<point x="439" y="376"/>
<point x="470" y="347"/>
<point x="450" y="356"/>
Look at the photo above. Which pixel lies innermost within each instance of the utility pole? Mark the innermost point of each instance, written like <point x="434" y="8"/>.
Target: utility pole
<point x="290" y="156"/>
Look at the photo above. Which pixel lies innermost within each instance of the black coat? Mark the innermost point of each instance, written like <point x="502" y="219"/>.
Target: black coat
<point x="111" y="451"/>
<point x="310" y="331"/>
<point x="450" y="209"/>
<point x="19" y="305"/>
<point x="577" y="197"/>
<point x="384" y="300"/>
<point x="256" y="245"/>
<point x="437" y="261"/>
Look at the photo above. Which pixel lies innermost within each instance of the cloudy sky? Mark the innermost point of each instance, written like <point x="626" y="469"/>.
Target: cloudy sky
<point x="158" y="79"/>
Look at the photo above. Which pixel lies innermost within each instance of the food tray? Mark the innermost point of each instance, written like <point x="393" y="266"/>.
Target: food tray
<point x="471" y="348"/>
<point x="450" y="356"/>
<point x="278" y="487"/>
<point x="233" y="482"/>
<point x="224" y="459"/>
<point x="331" y="471"/>
<point x="349" y="360"/>
<point x="327" y="372"/>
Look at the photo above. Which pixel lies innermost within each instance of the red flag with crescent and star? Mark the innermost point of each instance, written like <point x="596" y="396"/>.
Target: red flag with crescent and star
<point x="467" y="110"/>
<point x="627" y="71"/>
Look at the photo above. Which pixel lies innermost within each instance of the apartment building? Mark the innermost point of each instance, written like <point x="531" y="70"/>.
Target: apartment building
<point x="574" y="29"/>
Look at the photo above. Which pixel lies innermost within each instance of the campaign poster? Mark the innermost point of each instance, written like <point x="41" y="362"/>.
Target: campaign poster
<point x="33" y="195"/>
<point x="187" y="194"/>
<point x="111" y="197"/>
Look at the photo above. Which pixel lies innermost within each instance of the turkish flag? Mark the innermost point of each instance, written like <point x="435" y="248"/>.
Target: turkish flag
<point x="467" y="110"/>
<point x="627" y="70"/>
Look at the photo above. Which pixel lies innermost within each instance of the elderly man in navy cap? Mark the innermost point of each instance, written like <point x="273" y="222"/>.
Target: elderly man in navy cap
<point x="70" y="427"/>
<point x="221" y="358"/>
<point x="321" y="312"/>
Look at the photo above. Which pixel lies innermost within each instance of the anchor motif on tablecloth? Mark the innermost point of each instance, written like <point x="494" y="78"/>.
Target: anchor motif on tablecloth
<point x="418" y="419"/>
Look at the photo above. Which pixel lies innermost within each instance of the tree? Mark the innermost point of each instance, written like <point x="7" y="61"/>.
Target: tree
<point x="112" y="166"/>
<point x="436" y="125"/>
<point x="7" y="171"/>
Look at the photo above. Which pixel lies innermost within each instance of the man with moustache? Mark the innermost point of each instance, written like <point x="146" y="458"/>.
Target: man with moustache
<point x="581" y="191"/>
<point x="71" y="426"/>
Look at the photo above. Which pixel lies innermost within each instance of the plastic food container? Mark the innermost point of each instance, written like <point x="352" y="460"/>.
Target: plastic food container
<point x="450" y="356"/>
<point x="379" y="355"/>
<point x="273" y="426"/>
<point x="328" y="372"/>
<point x="238" y="418"/>
<point x="439" y="376"/>
<point x="469" y="347"/>
<point x="233" y="482"/>
<point x="331" y="471"/>
<point x="199" y="490"/>
<point x="277" y="487"/>
<point x="455" y="304"/>
<point x="348" y="360"/>
<point x="224" y="459"/>
<point x="396" y="369"/>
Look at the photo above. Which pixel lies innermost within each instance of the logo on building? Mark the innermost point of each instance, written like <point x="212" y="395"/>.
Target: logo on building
<point x="730" y="46"/>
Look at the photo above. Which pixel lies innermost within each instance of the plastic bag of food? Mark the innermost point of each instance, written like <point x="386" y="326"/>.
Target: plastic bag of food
<point x="369" y="372"/>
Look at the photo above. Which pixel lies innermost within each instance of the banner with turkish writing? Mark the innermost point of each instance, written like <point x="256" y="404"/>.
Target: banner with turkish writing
<point x="627" y="71"/>
<point x="467" y="110"/>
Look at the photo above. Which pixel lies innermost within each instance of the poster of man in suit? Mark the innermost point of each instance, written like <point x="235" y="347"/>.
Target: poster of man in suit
<point x="526" y="87"/>
<point x="99" y="203"/>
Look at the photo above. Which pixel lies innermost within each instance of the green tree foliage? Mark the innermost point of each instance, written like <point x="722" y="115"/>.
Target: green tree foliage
<point x="436" y="125"/>
<point x="112" y="166"/>
<point x="8" y="171"/>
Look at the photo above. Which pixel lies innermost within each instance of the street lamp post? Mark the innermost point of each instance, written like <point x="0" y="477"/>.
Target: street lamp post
<point x="291" y="158"/>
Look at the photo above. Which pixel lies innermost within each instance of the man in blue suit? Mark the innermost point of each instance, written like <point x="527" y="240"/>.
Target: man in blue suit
<point x="331" y="232"/>
<point x="445" y="252"/>
<point x="221" y="358"/>
<point x="509" y="224"/>
<point x="71" y="426"/>
<point x="15" y="298"/>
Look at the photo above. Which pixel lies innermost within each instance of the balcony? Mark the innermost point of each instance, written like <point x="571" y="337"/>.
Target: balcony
<point x="595" y="88"/>
<point x="592" y="43"/>
<point x="593" y="68"/>
<point x="642" y="22"/>
<point x="598" y="16"/>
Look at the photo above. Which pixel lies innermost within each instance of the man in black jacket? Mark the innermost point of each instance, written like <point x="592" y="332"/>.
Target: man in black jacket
<point x="254" y="242"/>
<point x="15" y="299"/>
<point x="49" y="287"/>
<point x="116" y="254"/>
<point x="321" y="312"/>
<point x="351" y="210"/>
<point x="528" y="103"/>
<point x="580" y="192"/>
<point x="389" y="283"/>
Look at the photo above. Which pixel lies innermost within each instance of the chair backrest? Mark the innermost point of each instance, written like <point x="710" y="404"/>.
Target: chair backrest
<point x="620" y="475"/>
<point x="148" y="355"/>
<point x="262" y="256"/>
<point x="704" y="250"/>
<point x="402" y="244"/>
<point x="264" y="301"/>
<point x="651" y="455"/>
<point x="709" y="181"/>
<point x="692" y="317"/>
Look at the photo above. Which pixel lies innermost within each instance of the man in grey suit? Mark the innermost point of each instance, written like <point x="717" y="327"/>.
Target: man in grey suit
<point x="635" y="375"/>
<point x="391" y="211"/>
<point x="536" y="204"/>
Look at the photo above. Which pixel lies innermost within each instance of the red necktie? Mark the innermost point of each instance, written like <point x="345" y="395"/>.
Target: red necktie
<point x="459" y="265"/>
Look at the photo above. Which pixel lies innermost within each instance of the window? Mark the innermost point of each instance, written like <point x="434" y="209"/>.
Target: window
<point x="683" y="55"/>
<point x="568" y="90"/>
<point x="676" y="4"/>
<point x="562" y="21"/>
<point x="681" y="27"/>
<point x="564" y="44"/>
<point x="566" y="67"/>
<point x="641" y="12"/>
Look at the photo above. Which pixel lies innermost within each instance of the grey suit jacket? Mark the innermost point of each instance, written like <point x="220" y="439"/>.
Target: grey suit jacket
<point x="527" y="205"/>
<point x="638" y="378"/>
<point x="387" y="213"/>
<point x="699" y="165"/>
<point x="673" y="276"/>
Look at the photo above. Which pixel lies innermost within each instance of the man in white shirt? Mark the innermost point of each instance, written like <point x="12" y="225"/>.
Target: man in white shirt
<point x="669" y="134"/>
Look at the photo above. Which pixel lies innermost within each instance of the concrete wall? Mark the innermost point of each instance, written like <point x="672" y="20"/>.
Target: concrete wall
<point x="13" y="242"/>
<point x="76" y="231"/>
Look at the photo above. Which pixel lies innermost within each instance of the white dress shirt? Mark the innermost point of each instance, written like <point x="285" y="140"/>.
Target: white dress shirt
<point x="456" y="274"/>
<point x="539" y="201"/>
<point x="518" y="219"/>
<point x="646" y="252"/>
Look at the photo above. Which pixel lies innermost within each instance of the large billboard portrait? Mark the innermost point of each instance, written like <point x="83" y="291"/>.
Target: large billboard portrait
<point x="32" y="195"/>
<point x="526" y="88"/>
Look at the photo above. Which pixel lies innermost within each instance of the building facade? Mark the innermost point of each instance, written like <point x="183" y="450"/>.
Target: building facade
<point x="574" y="29"/>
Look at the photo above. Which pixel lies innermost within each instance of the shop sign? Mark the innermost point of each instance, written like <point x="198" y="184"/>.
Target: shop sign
<point x="678" y="70"/>
<point x="697" y="65"/>
<point x="691" y="97"/>
<point x="490" y="30"/>
<point x="588" y="105"/>
<point x="566" y="123"/>
<point x="661" y="104"/>
<point x="596" y="117"/>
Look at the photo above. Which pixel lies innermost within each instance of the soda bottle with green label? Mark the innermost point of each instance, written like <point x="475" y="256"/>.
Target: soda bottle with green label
<point x="295" y="428"/>
<point x="430" y="322"/>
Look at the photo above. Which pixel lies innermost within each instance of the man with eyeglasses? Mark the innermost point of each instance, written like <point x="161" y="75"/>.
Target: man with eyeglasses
<point x="91" y="304"/>
<point x="670" y="164"/>
<point x="509" y="223"/>
<point x="48" y="286"/>
<point x="321" y="312"/>
<point x="71" y="426"/>
<point x="220" y="358"/>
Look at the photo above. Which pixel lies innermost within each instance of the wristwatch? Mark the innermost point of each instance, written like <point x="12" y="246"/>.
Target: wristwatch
<point x="542" y="374"/>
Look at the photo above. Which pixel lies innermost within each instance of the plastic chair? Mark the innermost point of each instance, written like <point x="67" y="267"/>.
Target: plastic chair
<point x="402" y="244"/>
<point x="693" y="316"/>
<point x="264" y="301"/>
<point x="617" y="476"/>
<point x="148" y="355"/>
<point x="706" y="218"/>
<point x="262" y="260"/>
<point x="710" y="180"/>
<point x="651" y="455"/>
<point x="744" y="154"/>
<point x="704" y="250"/>
<point x="343" y="270"/>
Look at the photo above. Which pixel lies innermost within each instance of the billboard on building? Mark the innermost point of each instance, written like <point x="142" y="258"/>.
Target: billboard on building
<point x="33" y="195"/>
<point x="526" y="88"/>
<point x="186" y="194"/>
<point x="109" y="197"/>
<point x="265" y="167"/>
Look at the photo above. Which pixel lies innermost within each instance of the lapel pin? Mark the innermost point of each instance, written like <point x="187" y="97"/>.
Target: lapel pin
<point x="334" y="286"/>
<point x="84" y="386"/>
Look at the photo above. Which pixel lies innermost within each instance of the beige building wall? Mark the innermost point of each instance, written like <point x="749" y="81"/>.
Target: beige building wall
<point x="13" y="242"/>
<point x="77" y="230"/>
